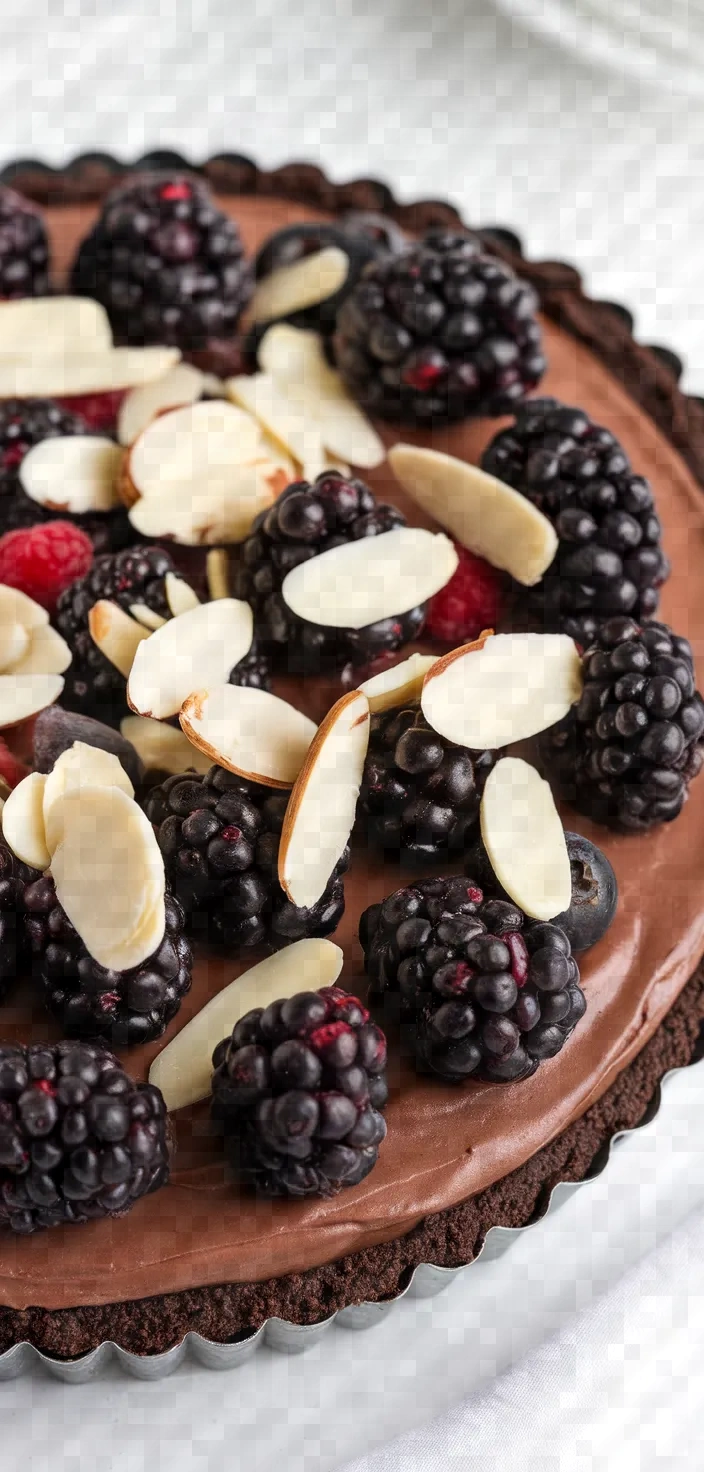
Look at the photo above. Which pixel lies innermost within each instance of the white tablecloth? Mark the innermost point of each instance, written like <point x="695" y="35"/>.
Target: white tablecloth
<point x="450" y="101"/>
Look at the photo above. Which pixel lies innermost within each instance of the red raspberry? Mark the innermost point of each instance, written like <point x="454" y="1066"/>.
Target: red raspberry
<point x="11" y="768"/>
<point x="471" y="601"/>
<point x="99" y="410"/>
<point x="45" y="559"/>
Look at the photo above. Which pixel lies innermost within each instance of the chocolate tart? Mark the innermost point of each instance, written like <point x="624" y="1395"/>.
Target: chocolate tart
<point x="199" y="1256"/>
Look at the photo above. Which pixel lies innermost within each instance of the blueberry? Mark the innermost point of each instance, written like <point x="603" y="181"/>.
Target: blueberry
<point x="594" y="894"/>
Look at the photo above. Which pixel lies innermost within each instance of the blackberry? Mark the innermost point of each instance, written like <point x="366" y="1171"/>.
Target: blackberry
<point x="123" y="1006"/>
<point x="79" y="1139"/>
<point x="219" y="836"/>
<point x="626" y="754"/>
<point x="24" y="423"/>
<point x="297" y="1092"/>
<point x="24" y="248"/>
<point x="420" y="793"/>
<point x="304" y="521"/>
<point x="488" y="993"/>
<point x="167" y="265"/>
<point x="14" y="876"/>
<point x="610" y="559"/>
<point x="439" y="332"/>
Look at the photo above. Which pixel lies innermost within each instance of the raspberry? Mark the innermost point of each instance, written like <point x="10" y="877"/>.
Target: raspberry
<point x="471" y="601"/>
<point x="45" y="559"/>
<point x="100" y="410"/>
<point x="11" y="768"/>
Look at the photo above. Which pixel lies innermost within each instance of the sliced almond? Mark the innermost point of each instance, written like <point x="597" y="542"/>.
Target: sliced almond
<point x="490" y="518"/>
<point x="525" y="840"/>
<point x="77" y="767"/>
<point x="182" y="385"/>
<point x="180" y="596"/>
<point x="162" y="748"/>
<point x="296" y="431"/>
<point x="321" y="810"/>
<point x="184" y="1068"/>
<point x="46" y="654"/>
<point x="217" y="573"/>
<point x="80" y="371"/>
<point x="52" y="324"/>
<point x="106" y="863"/>
<point x="147" y="616"/>
<point x="117" y="635"/>
<point x="16" y="607"/>
<point x="23" y="821"/>
<point x="503" y="688"/>
<point x="198" y="649"/>
<point x="14" y="643"/>
<point x="371" y="579"/>
<point x="24" y="695"/>
<point x="72" y="473"/>
<point x="402" y="683"/>
<point x="297" y="363"/>
<point x="207" y="517"/>
<point x="250" y="732"/>
<point x="303" y="284"/>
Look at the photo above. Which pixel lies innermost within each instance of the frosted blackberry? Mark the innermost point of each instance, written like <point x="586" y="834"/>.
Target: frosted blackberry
<point x="438" y="333"/>
<point x="79" y="1139"/>
<point x="14" y="876"/>
<point x="626" y="754"/>
<point x="219" y="836"/>
<point x="420" y="793"/>
<point x="610" y="558"/>
<point x="488" y="993"/>
<point x="89" y="1001"/>
<point x="166" y="263"/>
<point x="298" y="1092"/>
<point x="305" y="521"/>
<point x="24" y="248"/>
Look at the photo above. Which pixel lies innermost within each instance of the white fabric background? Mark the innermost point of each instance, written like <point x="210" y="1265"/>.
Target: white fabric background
<point x="454" y="101"/>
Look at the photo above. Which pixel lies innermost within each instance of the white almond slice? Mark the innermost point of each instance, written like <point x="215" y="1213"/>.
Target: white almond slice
<point x="296" y="361"/>
<point x="503" y="688"/>
<point x="52" y="324"/>
<point x="106" y="863"/>
<point x="117" y="635"/>
<point x="206" y="517"/>
<point x="305" y="283"/>
<point x="23" y="821"/>
<point x="81" y="371"/>
<point x="14" y="643"/>
<point x="192" y="448"/>
<point x="73" y="473"/>
<point x="79" y="766"/>
<point x="184" y="1068"/>
<point x="216" y="573"/>
<point x="147" y="616"/>
<point x="163" y="748"/>
<point x="525" y="840"/>
<point x="250" y="732"/>
<point x="16" y="607"/>
<point x="403" y="682"/>
<point x="180" y="596"/>
<point x="296" y="431"/>
<point x="371" y="579"/>
<point x="198" y="649"/>
<point x="22" y="696"/>
<point x="321" y="810"/>
<point x="182" y="385"/>
<point x="46" y="654"/>
<point x="490" y="518"/>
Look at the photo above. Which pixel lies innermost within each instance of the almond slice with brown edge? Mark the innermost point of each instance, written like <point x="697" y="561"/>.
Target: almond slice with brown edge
<point x="184" y="1068"/>
<point x="216" y="572"/>
<point x="296" y="431"/>
<point x="22" y="696"/>
<point x="371" y="579"/>
<point x="16" y="607"/>
<point x="107" y="862"/>
<point x="196" y="650"/>
<point x="14" y="643"/>
<point x="403" y="682"/>
<point x="163" y="748"/>
<point x="182" y="385"/>
<point x="79" y="370"/>
<point x="303" y="284"/>
<point x="502" y="688"/>
<point x="72" y="473"/>
<point x="53" y="324"/>
<point x="146" y="616"/>
<point x="46" y="654"/>
<point x="296" y="361"/>
<point x="179" y="594"/>
<point x="525" y="840"/>
<point x="192" y="449"/>
<point x="117" y="635"/>
<point x="249" y="732"/>
<point x="208" y="517"/>
<point x="490" y="518"/>
<point x="321" y="809"/>
<point x="79" y="766"/>
<point x="23" y="821"/>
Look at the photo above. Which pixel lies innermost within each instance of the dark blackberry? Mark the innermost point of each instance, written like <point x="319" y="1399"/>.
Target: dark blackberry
<point x="626" y="754"/>
<point x="420" y="793"/>
<point x="297" y="1093"/>
<point x="610" y="559"/>
<point x="24" y="423"/>
<point x="304" y="521"/>
<point x="24" y="248"/>
<point x="439" y="332"/>
<point x="488" y="993"/>
<point x="79" y="1139"/>
<point x="219" y="836"/>
<point x="167" y="265"/>
<point x="123" y="1006"/>
<point x="14" y="876"/>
